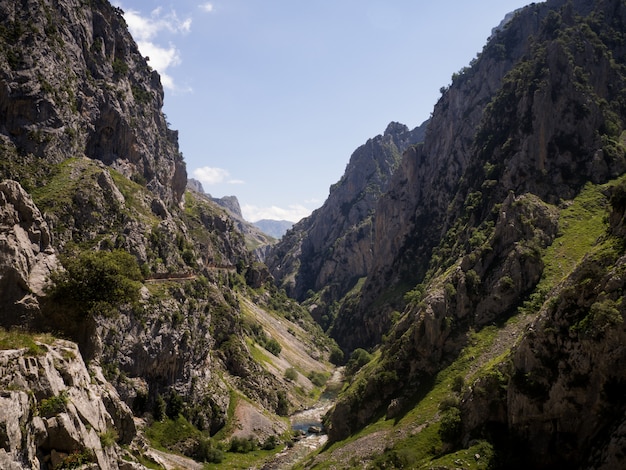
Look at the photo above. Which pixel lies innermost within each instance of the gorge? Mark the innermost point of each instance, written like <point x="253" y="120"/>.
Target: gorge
<point x="467" y="275"/>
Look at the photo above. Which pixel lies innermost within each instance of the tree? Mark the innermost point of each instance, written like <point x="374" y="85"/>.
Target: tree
<point x="96" y="282"/>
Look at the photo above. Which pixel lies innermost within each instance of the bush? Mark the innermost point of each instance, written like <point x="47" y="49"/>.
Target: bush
<point x="207" y="452"/>
<point x="336" y="355"/>
<point x="450" y="429"/>
<point x="242" y="445"/>
<point x="159" y="408"/>
<point x="282" y="406"/>
<point x="108" y="438"/>
<point x="291" y="374"/>
<point x="97" y="281"/>
<point x="318" y="378"/>
<point x="52" y="406"/>
<point x="273" y="346"/>
<point x="175" y="405"/>
<point x="358" y="359"/>
<point x="271" y="442"/>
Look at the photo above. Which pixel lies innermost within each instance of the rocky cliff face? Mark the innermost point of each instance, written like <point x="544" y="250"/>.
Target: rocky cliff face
<point x="72" y="82"/>
<point x="540" y="108"/>
<point x="28" y="256"/>
<point x="329" y="251"/>
<point x="57" y="413"/>
<point x="471" y="220"/>
<point x="93" y="201"/>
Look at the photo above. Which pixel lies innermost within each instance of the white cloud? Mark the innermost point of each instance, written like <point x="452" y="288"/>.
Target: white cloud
<point x="208" y="7"/>
<point x="210" y="176"/>
<point x="293" y="213"/>
<point x="146" y="29"/>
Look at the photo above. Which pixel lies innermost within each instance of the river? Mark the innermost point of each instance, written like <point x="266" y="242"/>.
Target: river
<point x="303" y="421"/>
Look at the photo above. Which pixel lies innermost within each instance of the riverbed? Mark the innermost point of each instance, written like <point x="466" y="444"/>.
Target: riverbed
<point x="304" y="421"/>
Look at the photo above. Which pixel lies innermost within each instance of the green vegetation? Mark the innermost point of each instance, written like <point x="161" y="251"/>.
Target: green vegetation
<point x="435" y="414"/>
<point x="291" y="374"/>
<point x="19" y="339"/>
<point x="77" y="459"/>
<point x="273" y="346"/>
<point x="358" y="359"/>
<point x="108" y="438"/>
<point x="98" y="282"/>
<point x="581" y="224"/>
<point x="52" y="406"/>
<point x="120" y="67"/>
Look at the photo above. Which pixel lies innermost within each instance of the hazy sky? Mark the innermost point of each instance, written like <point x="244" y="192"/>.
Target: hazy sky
<point x="271" y="97"/>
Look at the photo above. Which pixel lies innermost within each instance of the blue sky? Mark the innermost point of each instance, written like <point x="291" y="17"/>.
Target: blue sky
<point x="271" y="98"/>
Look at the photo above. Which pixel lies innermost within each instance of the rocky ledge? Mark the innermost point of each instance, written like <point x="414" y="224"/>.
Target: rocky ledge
<point x="57" y="412"/>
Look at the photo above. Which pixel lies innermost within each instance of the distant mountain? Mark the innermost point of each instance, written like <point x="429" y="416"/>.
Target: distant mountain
<point x="273" y="228"/>
<point x="257" y="240"/>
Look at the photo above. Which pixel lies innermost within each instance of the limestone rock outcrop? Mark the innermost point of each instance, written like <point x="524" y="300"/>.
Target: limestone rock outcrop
<point x="27" y="255"/>
<point x="72" y="82"/>
<point x="329" y="251"/>
<point x="57" y="412"/>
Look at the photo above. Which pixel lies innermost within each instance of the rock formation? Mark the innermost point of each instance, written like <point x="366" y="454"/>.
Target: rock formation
<point x="57" y="413"/>
<point x="72" y="81"/>
<point x="329" y="251"/>
<point x="27" y="256"/>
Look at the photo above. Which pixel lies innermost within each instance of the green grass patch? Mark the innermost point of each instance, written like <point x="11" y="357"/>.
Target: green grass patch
<point x="19" y="339"/>
<point x="65" y="178"/>
<point x="132" y="192"/>
<point x="235" y="460"/>
<point x="581" y="224"/>
<point x="165" y="434"/>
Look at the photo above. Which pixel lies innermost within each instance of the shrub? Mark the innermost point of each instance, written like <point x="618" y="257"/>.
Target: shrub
<point x="336" y="355"/>
<point x="271" y="442"/>
<point x="450" y="429"/>
<point x="119" y="66"/>
<point x="108" y="438"/>
<point x="358" y="359"/>
<point x="282" y="407"/>
<point x="242" y="445"/>
<point x="159" y="408"/>
<point x="52" y="406"/>
<point x="99" y="281"/>
<point x="273" y="346"/>
<point x="77" y="459"/>
<point x="207" y="452"/>
<point x="318" y="378"/>
<point x="174" y="405"/>
<point x="291" y="374"/>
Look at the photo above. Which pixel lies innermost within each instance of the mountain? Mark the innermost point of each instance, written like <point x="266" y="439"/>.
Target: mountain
<point x="487" y="330"/>
<point x="257" y="241"/>
<point x="274" y="228"/>
<point x="134" y="312"/>
<point x="328" y="252"/>
<point x="471" y="270"/>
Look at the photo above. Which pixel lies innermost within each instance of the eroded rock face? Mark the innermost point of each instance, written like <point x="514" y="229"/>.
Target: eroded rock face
<point x="26" y="255"/>
<point x="330" y="250"/>
<point x="73" y="83"/>
<point x="53" y="407"/>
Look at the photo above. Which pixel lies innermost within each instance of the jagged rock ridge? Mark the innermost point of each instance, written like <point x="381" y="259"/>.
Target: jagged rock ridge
<point x="90" y="174"/>
<point x="329" y="251"/>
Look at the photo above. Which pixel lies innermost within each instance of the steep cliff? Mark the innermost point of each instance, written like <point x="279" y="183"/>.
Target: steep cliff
<point x="102" y="244"/>
<point x="72" y="82"/>
<point x="482" y="232"/>
<point x="328" y="252"/>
